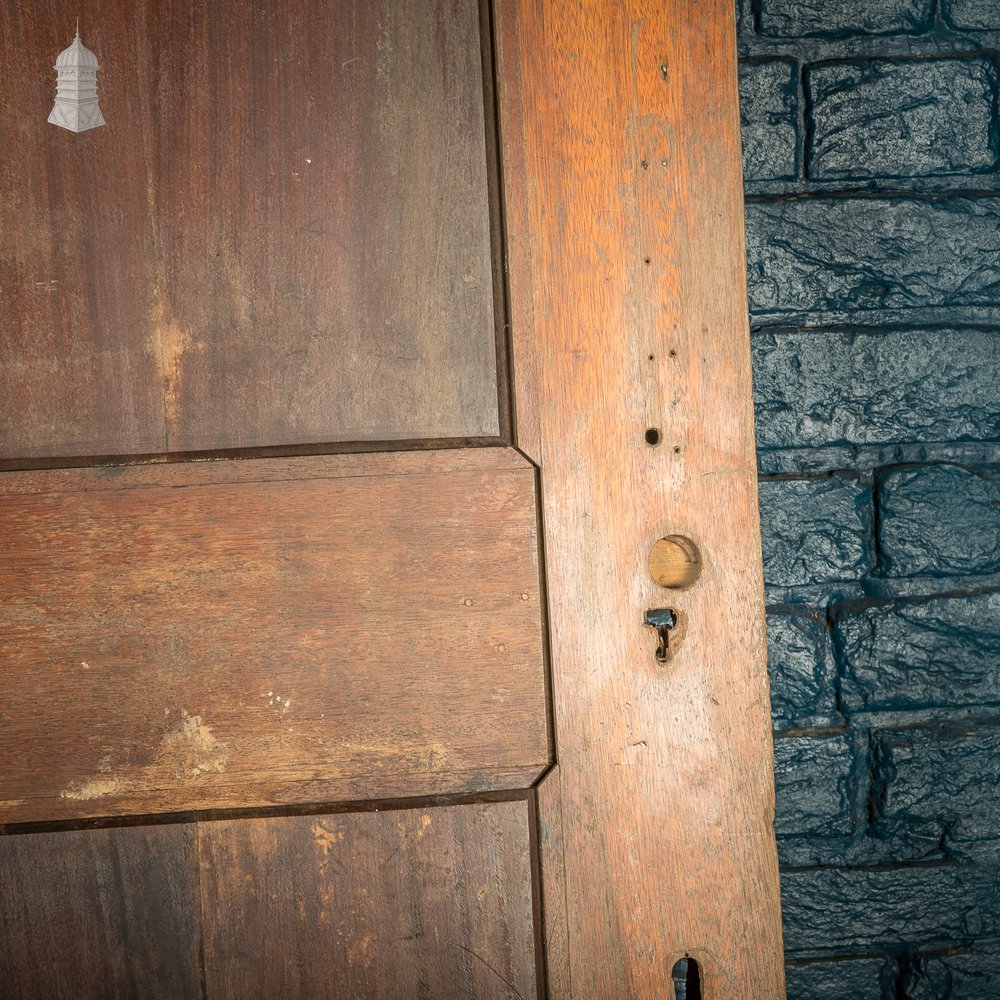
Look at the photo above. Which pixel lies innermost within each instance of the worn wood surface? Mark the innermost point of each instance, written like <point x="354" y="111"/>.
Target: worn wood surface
<point x="621" y="150"/>
<point x="100" y="913"/>
<point x="281" y="236"/>
<point x="416" y="903"/>
<point x="224" y="635"/>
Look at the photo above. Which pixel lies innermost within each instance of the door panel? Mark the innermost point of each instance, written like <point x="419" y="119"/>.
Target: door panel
<point x="101" y="913"/>
<point x="328" y="673"/>
<point x="423" y="902"/>
<point x="415" y="903"/>
<point x="312" y="630"/>
<point x="281" y="236"/>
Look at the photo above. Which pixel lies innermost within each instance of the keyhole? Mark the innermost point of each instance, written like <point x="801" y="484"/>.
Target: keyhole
<point x="662" y="621"/>
<point x="687" y="979"/>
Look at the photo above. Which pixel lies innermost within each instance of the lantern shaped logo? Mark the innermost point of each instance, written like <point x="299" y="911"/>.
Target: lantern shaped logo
<point x="76" y="106"/>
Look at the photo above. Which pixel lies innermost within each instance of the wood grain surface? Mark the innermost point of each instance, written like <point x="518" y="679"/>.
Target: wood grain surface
<point x="621" y="149"/>
<point x="234" y="634"/>
<point x="387" y="906"/>
<point x="281" y="236"/>
<point x="100" y="913"/>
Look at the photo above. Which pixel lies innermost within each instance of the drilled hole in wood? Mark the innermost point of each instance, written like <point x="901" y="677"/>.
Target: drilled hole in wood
<point x="652" y="436"/>
<point x="687" y="979"/>
<point x="674" y="562"/>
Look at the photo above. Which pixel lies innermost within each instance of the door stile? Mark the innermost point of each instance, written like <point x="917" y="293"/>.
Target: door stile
<point x="621" y="167"/>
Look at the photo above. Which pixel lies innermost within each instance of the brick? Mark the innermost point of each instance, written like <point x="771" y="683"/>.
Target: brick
<point x="813" y="785"/>
<point x="768" y="119"/>
<point x="901" y="118"/>
<point x="943" y="652"/>
<point x="817" y="259"/>
<point x="974" y="975"/>
<point x="943" y="787"/>
<point x="837" y="18"/>
<point x="832" y="910"/>
<point x="815" y="530"/>
<point x="979" y="15"/>
<point x="884" y="387"/>
<point x="859" y="979"/>
<point x="940" y="521"/>
<point x="800" y="664"/>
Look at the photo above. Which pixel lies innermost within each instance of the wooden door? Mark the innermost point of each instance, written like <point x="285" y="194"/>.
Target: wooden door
<point x="350" y="374"/>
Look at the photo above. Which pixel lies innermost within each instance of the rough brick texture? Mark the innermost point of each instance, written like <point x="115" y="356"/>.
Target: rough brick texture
<point x="873" y="258"/>
<point x="901" y="118"/>
<point x="953" y="976"/>
<point x="803" y="18"/>
<point x="768" y="119"/>
<point x="977" y="15"/>
<point x="939" y="788"/>
<point x="861" y="979"/>
<point x="876" y="387"/>
<point x="943" y="652"/>
<point x="821" y="260"/>
<point x="942" y="520"/>
<point x="818" y="530"/>
<point x="803" y="674"/>
<point x="812" y="780"/>
<point x="832" y="911"/>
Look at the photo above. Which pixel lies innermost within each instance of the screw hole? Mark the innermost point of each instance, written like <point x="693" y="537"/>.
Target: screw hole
<point x="652" y="436"/>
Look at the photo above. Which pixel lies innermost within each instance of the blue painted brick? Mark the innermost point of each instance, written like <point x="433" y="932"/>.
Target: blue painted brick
<point x="768" y="119"/>
<point x="875" y="388"/>
<point x="981" y="15"/>
<point x="850" y="979"/>
<point x="941" y="785"/>
<point x="813" y="787"/>
<point x="940" y="521"/>
<point x="830" y="911"/>
<point x="972" y="975"/>
<point x="815" y="530"/>
<point x="942" y="652"/>
<point x="815" y="260"/>
<point x="901" y="118"/>
<point x="832" y="18"/>
<point x="800" y="664"/>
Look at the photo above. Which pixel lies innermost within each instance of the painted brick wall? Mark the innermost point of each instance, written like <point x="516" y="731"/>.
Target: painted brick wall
<point x="872" y="163"/>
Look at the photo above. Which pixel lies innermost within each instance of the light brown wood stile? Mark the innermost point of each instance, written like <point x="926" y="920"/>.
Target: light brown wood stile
<point x="621" y="150"/>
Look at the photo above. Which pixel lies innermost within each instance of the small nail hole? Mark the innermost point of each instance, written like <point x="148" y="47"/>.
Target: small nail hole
<point x="673" y="353"/>
<point x="677" y="449"/>
<point x="652" y="357"/>
<point x="652" y="436"/>
<point x="646" y="260"/>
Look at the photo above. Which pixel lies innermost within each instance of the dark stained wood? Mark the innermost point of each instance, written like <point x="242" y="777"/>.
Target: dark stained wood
<point x="281" y="236"/>
<point x="224" y="635"/>
<point x="101" y="913"/>
<point x="621" y="150"/>
<point x="374" y="906"/>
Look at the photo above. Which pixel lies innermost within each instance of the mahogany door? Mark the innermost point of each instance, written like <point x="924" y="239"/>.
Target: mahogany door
<point x="351" y="312"/>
